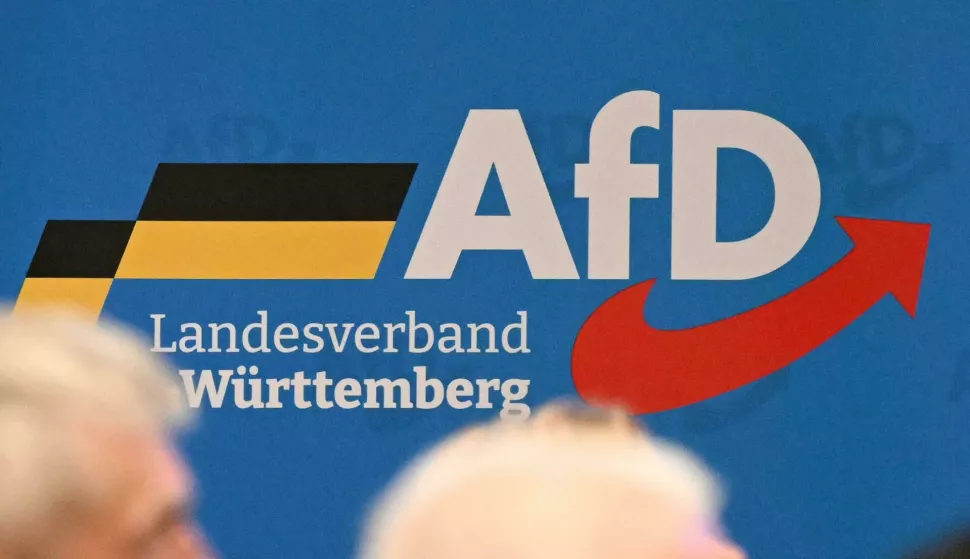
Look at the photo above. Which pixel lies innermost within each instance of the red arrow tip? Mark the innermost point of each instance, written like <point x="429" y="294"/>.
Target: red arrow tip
<point x="896" y="251"/>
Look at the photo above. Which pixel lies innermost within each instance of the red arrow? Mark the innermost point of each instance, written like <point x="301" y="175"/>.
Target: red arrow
<point x="618" y="358"/>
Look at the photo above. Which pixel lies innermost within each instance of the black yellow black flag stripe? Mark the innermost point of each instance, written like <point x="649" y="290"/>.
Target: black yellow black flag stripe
<point x="227" y="221"/>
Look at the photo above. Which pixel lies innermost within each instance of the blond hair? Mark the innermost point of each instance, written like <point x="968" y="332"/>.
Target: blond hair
<point x="59" y="372"/>
<point x="533" y="470"/>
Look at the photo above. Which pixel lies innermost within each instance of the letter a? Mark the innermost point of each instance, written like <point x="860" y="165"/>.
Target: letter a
<point x="492" y="137"/>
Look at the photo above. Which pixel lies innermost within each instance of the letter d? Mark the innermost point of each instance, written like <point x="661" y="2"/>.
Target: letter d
<point x="695" y="252"/>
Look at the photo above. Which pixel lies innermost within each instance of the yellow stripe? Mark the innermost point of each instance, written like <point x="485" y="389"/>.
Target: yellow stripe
<point x="255" y="250"/>
<point x="84" y="295"/>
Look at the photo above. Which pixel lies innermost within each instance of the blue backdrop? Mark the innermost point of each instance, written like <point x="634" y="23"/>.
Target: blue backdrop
<point x="858" y="450"/>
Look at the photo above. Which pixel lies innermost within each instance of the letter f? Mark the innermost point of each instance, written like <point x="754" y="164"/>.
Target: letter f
<point x="610" y="180"/>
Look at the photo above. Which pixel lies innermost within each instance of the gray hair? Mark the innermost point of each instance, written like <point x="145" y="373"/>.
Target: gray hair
<point x="57" y="373"/>
<point x="438" y="506"/>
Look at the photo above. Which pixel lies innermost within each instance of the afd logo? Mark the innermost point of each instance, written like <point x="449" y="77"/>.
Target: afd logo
<point x="333" y="221"/>
<point x="617" y="355"/>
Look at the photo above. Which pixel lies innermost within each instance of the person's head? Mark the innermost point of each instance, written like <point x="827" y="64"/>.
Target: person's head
<point x="955" y="546"/>
<point x="87" y="465"/>
<point x="568" y="483"/>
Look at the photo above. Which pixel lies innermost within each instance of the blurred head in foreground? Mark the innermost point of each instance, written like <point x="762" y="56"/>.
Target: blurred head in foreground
<point x="568" y="483"/>
<point x="956" y="546"/>
<point x="87" y="468"/>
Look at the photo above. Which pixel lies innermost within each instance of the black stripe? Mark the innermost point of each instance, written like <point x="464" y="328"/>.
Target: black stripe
<point x="277" y="192"/>
<point x="80" y="249"/>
